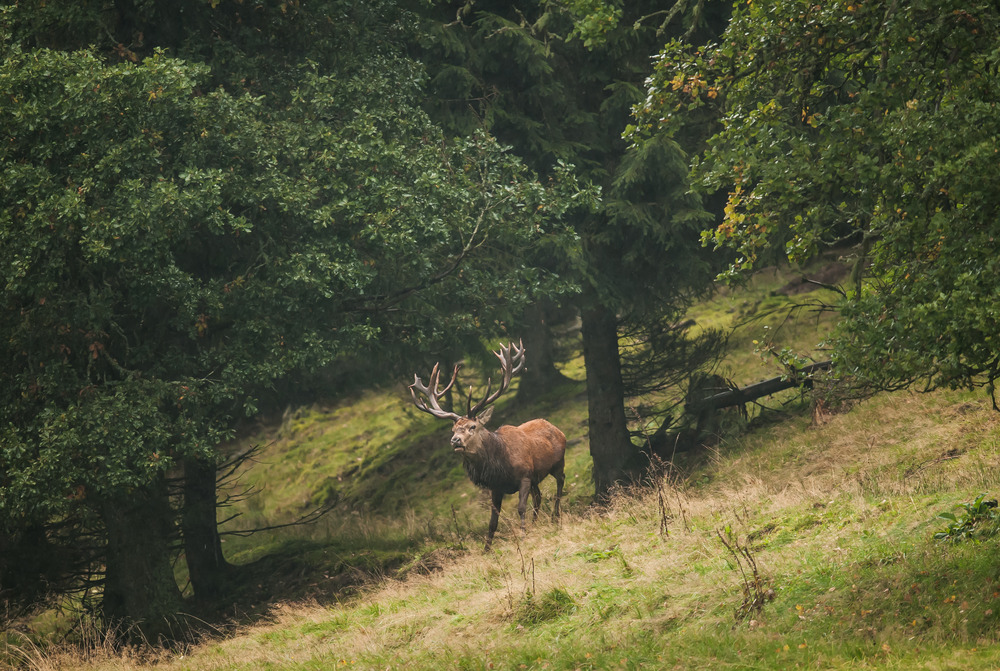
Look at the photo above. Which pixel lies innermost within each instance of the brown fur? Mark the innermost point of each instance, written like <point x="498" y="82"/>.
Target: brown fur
<point x="511" y="459"/>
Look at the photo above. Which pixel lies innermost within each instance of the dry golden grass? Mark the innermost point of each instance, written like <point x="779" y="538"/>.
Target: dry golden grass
<point x="837" y="508"/>
<point x="808" y="494"/>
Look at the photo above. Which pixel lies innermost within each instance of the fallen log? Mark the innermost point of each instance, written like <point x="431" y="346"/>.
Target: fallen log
<point x="751" y="392"/>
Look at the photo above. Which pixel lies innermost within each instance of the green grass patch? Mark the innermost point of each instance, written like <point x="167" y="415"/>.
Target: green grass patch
<point x="838" y="514"/>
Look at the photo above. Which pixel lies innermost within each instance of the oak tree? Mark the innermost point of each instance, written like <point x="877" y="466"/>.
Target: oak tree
<point x="869" y="123"/>
<point x="169" y="247"/>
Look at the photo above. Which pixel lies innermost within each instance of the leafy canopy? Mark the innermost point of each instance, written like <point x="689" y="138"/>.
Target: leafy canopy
<point x="866" y="122"/>
<point x="167" y="250"/>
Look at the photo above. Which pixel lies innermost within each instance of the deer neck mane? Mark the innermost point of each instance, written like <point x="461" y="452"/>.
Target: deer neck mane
<point x="490" y="467"/>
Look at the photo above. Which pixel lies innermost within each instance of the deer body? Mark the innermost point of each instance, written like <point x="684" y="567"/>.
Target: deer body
<point x="512" y="459"/>
<point x="508" y="460"/>
<point x="534" y="448"/>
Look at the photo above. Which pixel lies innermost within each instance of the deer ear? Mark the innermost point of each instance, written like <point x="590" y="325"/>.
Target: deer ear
<point x="485" y="415"/>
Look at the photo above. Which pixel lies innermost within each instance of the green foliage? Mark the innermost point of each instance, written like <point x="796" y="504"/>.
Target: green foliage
<point x="254" y="48"/>
<point x="592" y="19"/>
<point x="518" y="70"/>
<point x="170" y="249"/>
<point x="980" y="519"/>
<point x="556" y="80"/>
<point x="858" y="122"/>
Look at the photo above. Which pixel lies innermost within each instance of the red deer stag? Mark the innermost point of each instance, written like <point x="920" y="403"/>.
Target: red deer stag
<point x="510" y="459"/>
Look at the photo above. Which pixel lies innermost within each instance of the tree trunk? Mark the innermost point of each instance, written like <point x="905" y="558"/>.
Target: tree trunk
<point x="139" y="586"/>
<point x="610" y="445"/>
<point x="207" y="567"/>
<point x="540" y="374"/>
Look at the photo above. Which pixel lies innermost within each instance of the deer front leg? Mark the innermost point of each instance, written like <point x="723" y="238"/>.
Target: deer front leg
<point x="536" y="499"/>
<point x="494" y="517"/>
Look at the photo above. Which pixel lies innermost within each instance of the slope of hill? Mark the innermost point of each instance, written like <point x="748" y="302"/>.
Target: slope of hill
<point x="804" y="540"/>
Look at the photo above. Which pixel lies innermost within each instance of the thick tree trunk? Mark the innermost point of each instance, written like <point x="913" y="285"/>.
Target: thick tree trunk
<point x="610" y="446"/>
<point x="207" y="567"/>
<point x="139" y="586"/>
<point x="540" y="374"/>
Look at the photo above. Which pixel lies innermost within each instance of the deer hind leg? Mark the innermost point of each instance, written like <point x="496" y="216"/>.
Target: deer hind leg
<point x="494" y="517"/>
<point x="536" y="499"/>
<point x="560" y="476"/>
<point x="522" y="500"/>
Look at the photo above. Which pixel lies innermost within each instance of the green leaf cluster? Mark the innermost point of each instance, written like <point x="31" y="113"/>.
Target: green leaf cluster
<point x="172" y="245"/>
<point x="865" y="123"/>
<point x="980" y="519"/>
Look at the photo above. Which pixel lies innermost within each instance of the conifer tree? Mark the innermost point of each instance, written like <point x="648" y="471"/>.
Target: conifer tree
<point x="557" y="81"/>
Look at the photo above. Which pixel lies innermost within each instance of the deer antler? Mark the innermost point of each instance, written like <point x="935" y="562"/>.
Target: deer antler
<point x="432" y="394"/>
<point x="511" y="362"/>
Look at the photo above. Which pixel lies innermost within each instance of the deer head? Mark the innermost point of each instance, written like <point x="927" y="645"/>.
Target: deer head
<point x="468" y="430"/>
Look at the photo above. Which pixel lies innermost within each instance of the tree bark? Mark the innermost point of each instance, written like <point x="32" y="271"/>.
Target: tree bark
<point x="207" y="567"/>
<point x="610" y="445"/>
<point x="139" y="587"/>
<point x="540" y="374"/>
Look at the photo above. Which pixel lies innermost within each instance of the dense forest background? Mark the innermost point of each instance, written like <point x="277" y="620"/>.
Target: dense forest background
<point x="212" y="209"/>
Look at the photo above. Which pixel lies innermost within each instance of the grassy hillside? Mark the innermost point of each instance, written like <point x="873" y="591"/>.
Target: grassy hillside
<point x="378" y="456"/>
<point x="800" y="541"/>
